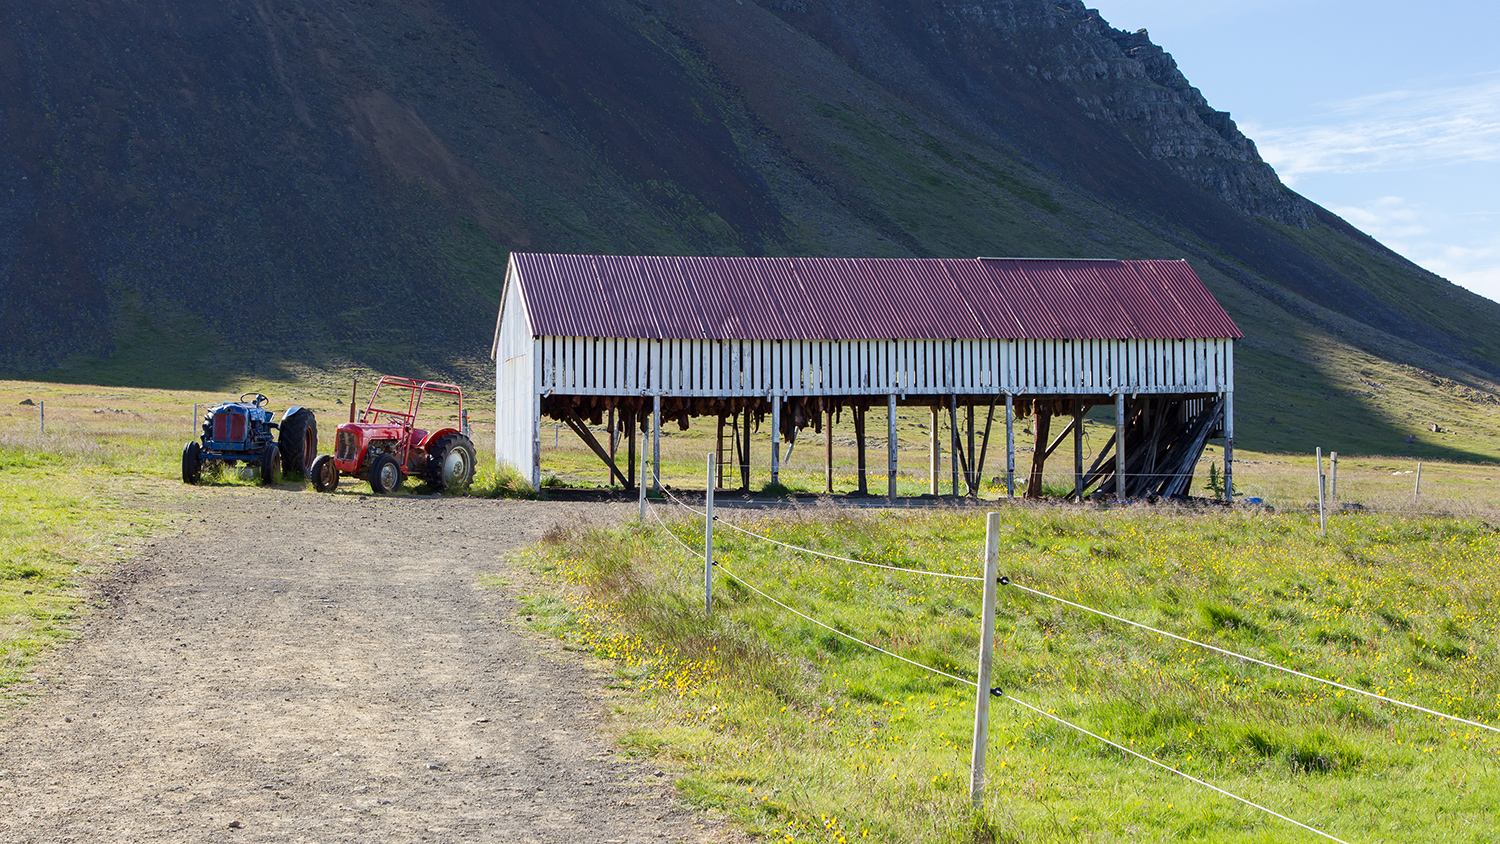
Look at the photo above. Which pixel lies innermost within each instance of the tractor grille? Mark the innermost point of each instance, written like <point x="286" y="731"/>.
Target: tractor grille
<point x="345" y="449"/>
<point x="229" y="427"/>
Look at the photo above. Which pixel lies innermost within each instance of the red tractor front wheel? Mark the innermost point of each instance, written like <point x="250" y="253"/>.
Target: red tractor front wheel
<point x="325" y="474"/>
<point x="385" y="474"/>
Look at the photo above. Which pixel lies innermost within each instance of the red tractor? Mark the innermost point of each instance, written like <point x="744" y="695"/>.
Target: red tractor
<point x="384" y="445"/>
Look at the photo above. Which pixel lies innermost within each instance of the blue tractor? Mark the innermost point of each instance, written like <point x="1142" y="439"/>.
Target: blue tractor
<point x="242" y="432"/>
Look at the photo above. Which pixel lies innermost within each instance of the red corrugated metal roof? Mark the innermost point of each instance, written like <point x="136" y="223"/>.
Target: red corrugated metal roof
<point x="661" y="297"/>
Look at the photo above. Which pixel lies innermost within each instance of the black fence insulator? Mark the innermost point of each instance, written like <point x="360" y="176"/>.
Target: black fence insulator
<point x="1004" y="581"/>
<point x="997" y="692"/>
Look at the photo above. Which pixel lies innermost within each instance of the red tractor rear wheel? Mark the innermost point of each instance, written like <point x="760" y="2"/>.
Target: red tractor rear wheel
<point x="450" y="463"/>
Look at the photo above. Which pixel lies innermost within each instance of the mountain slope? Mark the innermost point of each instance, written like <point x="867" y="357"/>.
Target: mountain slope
<point x="201" y="191"/>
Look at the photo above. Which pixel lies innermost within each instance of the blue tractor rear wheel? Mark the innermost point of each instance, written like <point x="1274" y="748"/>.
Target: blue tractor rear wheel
<point x="298" y="442"/>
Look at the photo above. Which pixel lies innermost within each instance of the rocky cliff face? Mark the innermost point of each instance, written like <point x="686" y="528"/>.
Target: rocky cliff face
<point x="202" y="188"/>
<point x="1125" y="80"/>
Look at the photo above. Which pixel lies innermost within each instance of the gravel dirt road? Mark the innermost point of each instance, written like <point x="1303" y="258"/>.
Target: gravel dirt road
<point x="302" y="667"/>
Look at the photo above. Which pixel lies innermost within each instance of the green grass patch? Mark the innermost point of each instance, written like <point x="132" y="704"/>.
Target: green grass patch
<point x="802" y="735"/>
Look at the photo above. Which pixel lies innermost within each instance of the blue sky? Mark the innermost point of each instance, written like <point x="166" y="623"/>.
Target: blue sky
<point x="1387" y="113"/>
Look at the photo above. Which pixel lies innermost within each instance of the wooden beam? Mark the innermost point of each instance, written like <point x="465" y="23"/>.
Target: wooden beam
<point x="1060" y="437"/>
<point x="984" y="448"/>
<point x="582" y="430"/>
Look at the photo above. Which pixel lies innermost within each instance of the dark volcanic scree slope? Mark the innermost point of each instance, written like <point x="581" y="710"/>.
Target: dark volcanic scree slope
<point x="191" y="192"/>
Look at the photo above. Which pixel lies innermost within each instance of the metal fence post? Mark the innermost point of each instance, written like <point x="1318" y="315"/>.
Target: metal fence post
<point x="42" y="415"/>
<point x="708" y="542"/>
<point x="986" y="655"/>
<point x="1333" y="486"/>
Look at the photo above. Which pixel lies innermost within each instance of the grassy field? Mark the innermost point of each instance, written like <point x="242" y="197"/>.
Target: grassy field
<point x="1379" y="483"/>
<point x="804" y="736"/>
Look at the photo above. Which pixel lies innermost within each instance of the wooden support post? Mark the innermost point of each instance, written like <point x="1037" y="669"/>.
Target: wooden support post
<point x="744" y="456"/>
<point x="890" y="436"/>
<point x="1042" y="419"/>
<point x="641" y="487"/>
<point x="635" y="422"/>
<point x="1416" y="491"/>
<point x="776" y="439"/>
<point x="828" y="449"/>
<point x="1120" y="447"/>
<point x="859" y="436"/>
<point x="953" y="432"/>
<point x="656" y="443"/>
<point x="935" y="462"/>
<point x="708" y="540"/>
<point x="1010" y="446"/>
<point x="536" y="440"/>
<point x="1078" y="450"/>
<point x="612" y="438"/>
<point x="986" y="657"/>
<point x="971" y="476"/>
<point x="1229" y="446"/>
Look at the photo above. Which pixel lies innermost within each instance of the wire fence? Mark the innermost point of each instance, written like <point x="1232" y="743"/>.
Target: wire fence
<point x="999" y="693"/>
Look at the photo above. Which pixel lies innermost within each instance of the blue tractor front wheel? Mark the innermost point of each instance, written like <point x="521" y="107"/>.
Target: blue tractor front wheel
<point x="270" y="465"/>
<point x="192" y="463"/>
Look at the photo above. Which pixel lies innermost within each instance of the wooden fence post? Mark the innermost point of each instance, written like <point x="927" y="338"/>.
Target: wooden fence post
<point x="986" y="655"/>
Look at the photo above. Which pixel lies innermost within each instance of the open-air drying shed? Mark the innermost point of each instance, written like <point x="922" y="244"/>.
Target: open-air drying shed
<point x="627" y="340"/>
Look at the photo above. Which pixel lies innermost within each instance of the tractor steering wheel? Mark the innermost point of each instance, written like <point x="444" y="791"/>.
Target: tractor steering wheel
<point x="258" y="401"/>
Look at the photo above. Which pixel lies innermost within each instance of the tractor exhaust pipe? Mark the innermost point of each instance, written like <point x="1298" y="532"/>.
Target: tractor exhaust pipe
<point x="353" y="398"/>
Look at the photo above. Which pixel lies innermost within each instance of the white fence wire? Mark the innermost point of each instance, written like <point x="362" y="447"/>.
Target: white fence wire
<point x="996" y="691"/>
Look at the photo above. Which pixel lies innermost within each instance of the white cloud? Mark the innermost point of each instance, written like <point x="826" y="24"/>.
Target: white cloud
<point x="1396" y="129"/>
<point x="1388" y="217"/>
<point x="1463" y="248"/>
